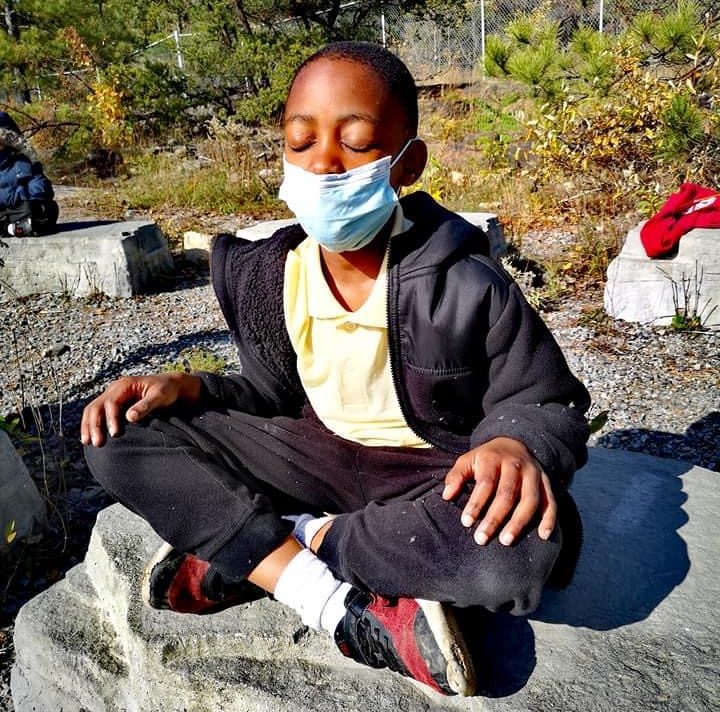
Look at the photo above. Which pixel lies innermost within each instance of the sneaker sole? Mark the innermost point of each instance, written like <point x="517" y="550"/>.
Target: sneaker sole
<point x="460" y="672"/>
<point x="158" y="557"/>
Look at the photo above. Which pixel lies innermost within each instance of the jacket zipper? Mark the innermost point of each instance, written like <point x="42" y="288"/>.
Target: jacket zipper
<point x="394" y="346"/>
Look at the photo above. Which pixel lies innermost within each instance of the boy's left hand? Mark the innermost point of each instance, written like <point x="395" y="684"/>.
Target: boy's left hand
<point x="509" y="484"/>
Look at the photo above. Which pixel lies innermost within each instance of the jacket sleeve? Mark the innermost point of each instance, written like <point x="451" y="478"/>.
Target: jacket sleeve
<point x="39" y="186"/>
<point x="532" y="396"/>
<point x="236" y="392"/>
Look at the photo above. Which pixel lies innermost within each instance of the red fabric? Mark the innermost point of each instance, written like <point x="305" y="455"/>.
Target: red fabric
<point x="692" y="206"/>
<point x="398" y="618"/>
<point x="185" y="594"/>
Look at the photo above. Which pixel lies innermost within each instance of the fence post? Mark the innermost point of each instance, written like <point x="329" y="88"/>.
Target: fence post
<point x="382" y="28"/>
<point x="601" y="18"/>
<point x="178" y="48"/>
<point x="482" y="38"/>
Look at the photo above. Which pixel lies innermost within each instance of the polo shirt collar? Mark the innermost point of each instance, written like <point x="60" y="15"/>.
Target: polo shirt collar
<point x="321" y="301"/>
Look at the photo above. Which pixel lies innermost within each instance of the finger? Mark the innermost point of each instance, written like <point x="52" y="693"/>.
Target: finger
<point x="486" y="472"/>
<point x="93" y="429"/>
<point x="112" y="416"/>
<point x="456" y="477"/>
<point x="549" y="504"/>
<point x="503" y="501"/>
<point x="530" y="500"/>
<point x="142" y="408"/>
<point x="87" y="417"/>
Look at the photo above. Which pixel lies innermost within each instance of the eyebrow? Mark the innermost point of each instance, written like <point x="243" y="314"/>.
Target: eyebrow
<point x="347" y="118"/>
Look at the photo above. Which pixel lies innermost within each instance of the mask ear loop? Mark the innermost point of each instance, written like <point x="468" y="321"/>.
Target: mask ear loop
<point x="394" y="161"/>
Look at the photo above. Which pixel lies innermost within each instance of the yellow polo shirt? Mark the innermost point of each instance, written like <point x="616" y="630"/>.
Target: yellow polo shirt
<point x="342" y="357"/>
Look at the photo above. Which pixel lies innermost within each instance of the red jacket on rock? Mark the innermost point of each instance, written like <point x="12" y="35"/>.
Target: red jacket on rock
<point x="692" y="206"/>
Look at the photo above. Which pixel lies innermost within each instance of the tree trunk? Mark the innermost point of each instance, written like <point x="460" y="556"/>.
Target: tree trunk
<point x="12" y="29"/>
<point x="242" y="16"/>
<point x="23" y="93"/>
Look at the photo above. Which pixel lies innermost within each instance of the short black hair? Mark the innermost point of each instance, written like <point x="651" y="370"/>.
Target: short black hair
<point x="386" y="66"/>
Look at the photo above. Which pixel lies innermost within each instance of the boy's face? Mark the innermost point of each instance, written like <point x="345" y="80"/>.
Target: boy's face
<point x="339" y="115"/>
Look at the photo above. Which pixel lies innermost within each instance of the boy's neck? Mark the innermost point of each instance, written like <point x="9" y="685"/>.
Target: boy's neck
<point x="351" y="275"/>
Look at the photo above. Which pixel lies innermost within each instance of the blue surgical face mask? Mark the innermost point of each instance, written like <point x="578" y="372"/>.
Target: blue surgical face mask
<point x="342" y="211"/>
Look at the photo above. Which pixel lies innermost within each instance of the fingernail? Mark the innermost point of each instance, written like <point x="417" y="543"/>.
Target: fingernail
<point x="466" y="520"/>
<point x="112" y="432"/>
<point x="481" y="537"/>
<point x="545" y="533"/>
<point x="506" y="538"/>
<point x="446" y="492"/>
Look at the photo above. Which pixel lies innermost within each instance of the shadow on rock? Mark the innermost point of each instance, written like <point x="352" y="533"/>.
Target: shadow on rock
<point x="503" y="650"/>
<point x="633" y="555"/>
<point x="82" y="225"/>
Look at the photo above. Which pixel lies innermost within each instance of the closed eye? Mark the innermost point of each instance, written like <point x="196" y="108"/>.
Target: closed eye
<point x="299" y="148"/>
<point x="355" y="148"/>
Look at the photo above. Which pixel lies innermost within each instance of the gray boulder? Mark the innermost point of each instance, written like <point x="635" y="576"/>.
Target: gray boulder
<point x="637" y="630"/>
<point x="639" y="289"/>
<point x="118" y="259"/>
<point x="197" y="245"/>
<point x="22" y="509"/>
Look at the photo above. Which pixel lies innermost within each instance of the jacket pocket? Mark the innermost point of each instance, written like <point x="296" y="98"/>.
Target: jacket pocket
<point x="448" y="398"/>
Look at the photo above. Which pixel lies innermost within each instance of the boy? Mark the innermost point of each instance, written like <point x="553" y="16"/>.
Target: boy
<point x="26" y="195"/>
<point x="400" y="405"/>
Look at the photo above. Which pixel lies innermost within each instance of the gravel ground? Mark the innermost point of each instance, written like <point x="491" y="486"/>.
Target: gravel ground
<point x="660" y="389"/>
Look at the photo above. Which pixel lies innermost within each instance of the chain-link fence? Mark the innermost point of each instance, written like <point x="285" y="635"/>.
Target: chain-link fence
<point x="454" y="50"/>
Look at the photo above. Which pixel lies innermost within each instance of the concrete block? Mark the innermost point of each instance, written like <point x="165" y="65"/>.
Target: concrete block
<point x="493" y="228"/>
<point x="21" y="506"/>
<point x="261" y="230"/>
<point x="114" y="258"/>
<point x="637" y="630"/>
<point x="639" y="289"/>
<point x="486" y="221"/>
<point x="196" y="246"/>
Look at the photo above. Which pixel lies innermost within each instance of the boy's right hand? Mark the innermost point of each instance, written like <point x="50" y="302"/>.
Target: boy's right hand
<point x="145" y="393"/>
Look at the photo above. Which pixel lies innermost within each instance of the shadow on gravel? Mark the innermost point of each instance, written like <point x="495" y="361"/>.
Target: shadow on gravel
<point x="150" y="354"/>
<point x="700" y="444"/>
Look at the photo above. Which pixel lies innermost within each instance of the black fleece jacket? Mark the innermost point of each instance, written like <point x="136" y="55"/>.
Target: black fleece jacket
<point x="470" y="359"/>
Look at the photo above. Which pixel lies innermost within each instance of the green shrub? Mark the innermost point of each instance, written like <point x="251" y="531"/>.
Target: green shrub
<point x="197" y="359"/>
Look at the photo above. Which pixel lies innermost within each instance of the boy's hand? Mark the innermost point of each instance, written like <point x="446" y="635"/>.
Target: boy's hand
<point x="146" y="393"/>
<point x="509" y="483"/>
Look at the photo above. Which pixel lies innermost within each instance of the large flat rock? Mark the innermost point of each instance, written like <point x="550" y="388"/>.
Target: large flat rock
<point x="637" y="630"/>
<point x="118" y="259"/>
<point x="197" y="245"/>
<point x="22" y="509"/>
<point x="639" y="289"/>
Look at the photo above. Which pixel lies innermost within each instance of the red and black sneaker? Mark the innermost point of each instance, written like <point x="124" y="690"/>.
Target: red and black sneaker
<point x="416" y="638"/>
<point x="185" y="584"/>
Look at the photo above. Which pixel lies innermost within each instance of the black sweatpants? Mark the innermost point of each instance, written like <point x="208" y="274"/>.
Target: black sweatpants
<point x="217" y="483"/>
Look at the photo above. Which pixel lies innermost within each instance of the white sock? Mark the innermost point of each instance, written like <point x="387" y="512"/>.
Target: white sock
<point x="308" y="587"/>
<point x="307" y="526"/>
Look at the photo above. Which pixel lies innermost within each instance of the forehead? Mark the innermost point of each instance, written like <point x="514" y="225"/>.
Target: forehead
<point x="334" y="87"/>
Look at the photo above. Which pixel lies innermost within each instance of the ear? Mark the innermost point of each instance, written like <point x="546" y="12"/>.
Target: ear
<point x="412" y="164"/>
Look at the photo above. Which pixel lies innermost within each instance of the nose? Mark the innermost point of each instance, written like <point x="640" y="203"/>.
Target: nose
<point x="325" y="158"/>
